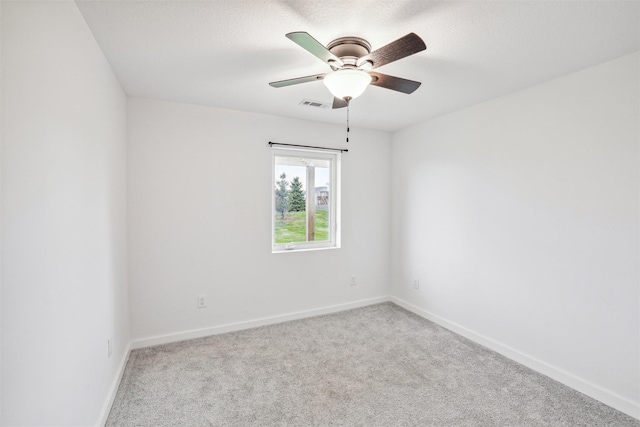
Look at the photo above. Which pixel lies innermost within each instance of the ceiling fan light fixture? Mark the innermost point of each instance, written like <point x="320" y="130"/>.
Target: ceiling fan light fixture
<point x="347" y="83"/>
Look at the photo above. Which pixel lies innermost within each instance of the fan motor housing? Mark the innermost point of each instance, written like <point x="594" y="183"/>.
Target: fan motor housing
<point x="349" y="49"/>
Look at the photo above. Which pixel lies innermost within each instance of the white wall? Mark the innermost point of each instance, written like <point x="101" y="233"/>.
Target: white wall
<point x="1" y="138"/>
<point x="520" y="218"/>
<point x="63" y="218"/>
<point x="200" y="219"/>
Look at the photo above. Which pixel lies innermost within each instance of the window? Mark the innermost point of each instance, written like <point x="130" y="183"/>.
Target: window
<point x="305" y="213"/>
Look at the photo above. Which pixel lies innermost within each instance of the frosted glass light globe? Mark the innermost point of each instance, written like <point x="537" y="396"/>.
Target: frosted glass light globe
<point x="348" y="83"/>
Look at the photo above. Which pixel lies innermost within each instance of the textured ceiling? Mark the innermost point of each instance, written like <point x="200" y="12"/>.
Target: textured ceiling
<point x="224" y="53"/>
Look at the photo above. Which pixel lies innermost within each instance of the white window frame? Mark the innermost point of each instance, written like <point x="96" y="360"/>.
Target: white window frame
<point x="334" y="202"/>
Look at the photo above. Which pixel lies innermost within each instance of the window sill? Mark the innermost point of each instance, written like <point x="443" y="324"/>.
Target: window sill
<point x="302" y="249"/>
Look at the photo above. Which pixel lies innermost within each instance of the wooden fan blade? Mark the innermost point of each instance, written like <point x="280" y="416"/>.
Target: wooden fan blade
<point x="297" y="80"/>
<point x="394" y="83"/>
<point x="339" y="103"/>
<point x="313" y="46"/>
<point x="401" y="48"/>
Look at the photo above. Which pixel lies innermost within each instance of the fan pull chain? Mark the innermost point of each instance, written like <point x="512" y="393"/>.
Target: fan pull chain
<point x="347" y="122"/>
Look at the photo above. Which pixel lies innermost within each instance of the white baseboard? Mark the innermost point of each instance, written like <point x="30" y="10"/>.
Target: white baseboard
<point x="605" y="396"/>
<point x="232" y="327"/>
<point x="106" y="407"/>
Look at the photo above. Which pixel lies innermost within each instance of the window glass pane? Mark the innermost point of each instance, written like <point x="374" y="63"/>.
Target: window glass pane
<point x="322" y="207"/>
<point x="290" y="215"/>
<point x="302" y="199"/>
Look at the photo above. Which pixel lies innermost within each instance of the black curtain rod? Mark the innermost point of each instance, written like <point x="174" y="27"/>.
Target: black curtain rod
<point x="342" y="150"/>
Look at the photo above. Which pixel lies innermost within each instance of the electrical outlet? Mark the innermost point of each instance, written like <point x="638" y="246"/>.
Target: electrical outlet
<point x="352" y="280"/>
<point x="416" y="283"/>
<point x="202" y="301"/>
<point x="109" y="347"/>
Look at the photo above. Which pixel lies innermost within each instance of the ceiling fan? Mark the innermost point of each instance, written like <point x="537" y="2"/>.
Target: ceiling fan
<point x="351" y="60"/>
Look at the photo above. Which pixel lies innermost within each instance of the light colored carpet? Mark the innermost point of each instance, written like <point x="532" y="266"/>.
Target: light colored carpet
<point x="374" y="366"/>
